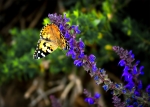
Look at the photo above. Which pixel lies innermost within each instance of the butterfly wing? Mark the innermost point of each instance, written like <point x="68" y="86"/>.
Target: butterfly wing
<point x="51" y="32"/>
<point x="44" y="48"/>
<point x="50" y="39"/>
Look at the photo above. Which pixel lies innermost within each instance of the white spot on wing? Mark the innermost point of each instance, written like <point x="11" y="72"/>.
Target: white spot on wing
<point x="42" y="54"/>
<point x="48" y="51"/>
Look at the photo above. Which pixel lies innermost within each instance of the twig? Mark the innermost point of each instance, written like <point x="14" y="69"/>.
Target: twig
<point x="53" y="90"/>
<point x="38" y="16"/>
<point x="22" y="23"/>
<point x="32" y="88"/>
<point x="1" y="5"/>
<point x="77" y="90"/>
<point x="66" y="90"/>
<point x="51" y="83"/>
<point x="61" y="7"/>
<point x="13" y="21"/>
<point x="7" y="4"/>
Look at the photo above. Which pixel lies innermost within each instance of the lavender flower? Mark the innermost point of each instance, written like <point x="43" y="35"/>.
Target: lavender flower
<point x="92" y="58"/>
<point x="90" y="99"/>
<point x="130" y="71"/>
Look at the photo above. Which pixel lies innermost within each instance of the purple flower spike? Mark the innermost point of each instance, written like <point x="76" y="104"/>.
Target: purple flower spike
<point x="76" y="51"/>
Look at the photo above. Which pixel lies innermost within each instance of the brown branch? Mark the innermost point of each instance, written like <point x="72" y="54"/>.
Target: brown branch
<point x="38" y="15"/>
<point x="32" y="88"/>
<point x="77" y="90"/>
<point x="8" y="4"/>
<point x="14" y="20"/>
<point x="61" y="7"/>
<point x="45" y="94"/>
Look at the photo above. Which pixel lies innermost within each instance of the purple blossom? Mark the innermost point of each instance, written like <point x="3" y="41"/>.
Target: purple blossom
<point x="96" y="78"/>
<point x="124" y="91"/>
<point x="67" y="35"/>
<point x="97" y="95"/>
<point x="66" y="19"/>
<point x="118" y="85"/>
<point x="134" y="70"/>
<point x="130" y="53"/>
<point x="81" y="44"/>
<point x="89" y="100"/>
<point x="137" y="93"/>
<point x="92" y="58"/>
<point x="71" y="53"/>
<point x="94" y="68"/>
<point x="77" y="31"/>
<point x="72" y="43"/>
<point x="105" y="87"/>
<point x="148" y="90"/>
<point x="140" y="85"/>
<point x="61" y="27"/>
<point x="122" y="62"/>
<point x="102" y="71"/>
<point x="81" y="55"/>
<point x="130" y="72"/>
<point x="130" y="85"/>
<point x="137" y="62"/>
<point x="78" y="63"/>
<point x="141" y="70"/>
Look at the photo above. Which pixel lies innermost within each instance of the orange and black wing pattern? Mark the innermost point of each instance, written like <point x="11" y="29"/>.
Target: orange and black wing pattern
<point x="50" y="39"/>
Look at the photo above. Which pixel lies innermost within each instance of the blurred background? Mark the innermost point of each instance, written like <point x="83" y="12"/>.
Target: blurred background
<point x="26" y="82"/>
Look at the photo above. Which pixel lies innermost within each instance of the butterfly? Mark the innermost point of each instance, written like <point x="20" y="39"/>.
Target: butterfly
<point x="51" y="38"/>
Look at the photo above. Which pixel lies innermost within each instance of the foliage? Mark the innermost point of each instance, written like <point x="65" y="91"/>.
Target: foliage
<point x="101" y="25"/>
<point x="16" y="59"/>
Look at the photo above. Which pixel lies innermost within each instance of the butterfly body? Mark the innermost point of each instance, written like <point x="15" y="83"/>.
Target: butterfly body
<point x="50" y="39"/>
